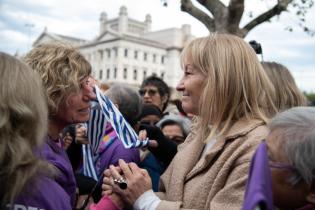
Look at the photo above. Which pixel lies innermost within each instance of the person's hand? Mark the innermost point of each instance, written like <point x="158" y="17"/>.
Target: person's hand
<point x="143" y="136"/>
<point x="107" y="188"/>
<point x="81" y="135"/>
<point x="67" y="140"/>
<point x="137" y="179"/>
<point x="166" y="149"/>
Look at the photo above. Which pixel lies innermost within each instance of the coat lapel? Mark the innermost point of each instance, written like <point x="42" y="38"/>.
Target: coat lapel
<point x="238" y="129"/>
<point x="188" y="155"/>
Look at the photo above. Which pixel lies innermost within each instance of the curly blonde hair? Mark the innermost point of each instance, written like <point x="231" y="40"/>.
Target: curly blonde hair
<point x="23" y="123"/>
<point x="236" y="85"/>
<point x="287" y="93"/>
<point x="61" y="68"/>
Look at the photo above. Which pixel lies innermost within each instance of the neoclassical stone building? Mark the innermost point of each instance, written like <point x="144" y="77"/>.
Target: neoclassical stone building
<point x="127" y="51"/>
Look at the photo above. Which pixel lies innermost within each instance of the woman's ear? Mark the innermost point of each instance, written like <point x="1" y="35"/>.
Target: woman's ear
<point x="164" y="98"/>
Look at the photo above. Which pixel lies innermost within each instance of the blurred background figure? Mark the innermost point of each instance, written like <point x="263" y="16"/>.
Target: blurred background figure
<point x="150" y="114"/>
<point x="27" y="182"/>
<point x="287" y="94"/>
<point x="175" y="127"/>
<point x="154" y="90"/>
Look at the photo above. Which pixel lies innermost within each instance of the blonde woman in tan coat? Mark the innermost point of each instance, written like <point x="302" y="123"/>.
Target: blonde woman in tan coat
<point x="225" y="86"/>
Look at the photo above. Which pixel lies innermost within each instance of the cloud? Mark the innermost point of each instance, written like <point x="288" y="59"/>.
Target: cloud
<point x="14" y="41"/>
<point x="80" y="18"/>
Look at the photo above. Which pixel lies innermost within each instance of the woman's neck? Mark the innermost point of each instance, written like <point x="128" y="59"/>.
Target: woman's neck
<point x="54" y="129"/>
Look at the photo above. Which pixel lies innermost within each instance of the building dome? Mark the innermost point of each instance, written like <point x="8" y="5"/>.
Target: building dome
<point x="123" y="10"/>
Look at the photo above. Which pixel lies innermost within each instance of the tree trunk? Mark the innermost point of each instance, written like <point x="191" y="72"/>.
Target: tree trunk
<point x="226" y="19"/>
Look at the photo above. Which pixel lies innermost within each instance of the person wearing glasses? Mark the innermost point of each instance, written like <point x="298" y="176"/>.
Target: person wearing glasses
<point x="283" y="169"/>
<point x="154" y="90"/>
<point x="291" y="146"/>
<point x="227" y="89"/>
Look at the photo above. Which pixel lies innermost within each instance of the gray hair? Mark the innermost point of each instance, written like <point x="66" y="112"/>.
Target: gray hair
<point x="128" y="101"/>
<point x="297" y="131"/>
<point x="182" y="121"/>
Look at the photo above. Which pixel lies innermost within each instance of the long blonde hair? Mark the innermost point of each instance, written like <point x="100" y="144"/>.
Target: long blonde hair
<point x="287" y="93"/>
<point x="61" y="67"/>
<point x="23" y="123"/>
<point x="236" y="85"/>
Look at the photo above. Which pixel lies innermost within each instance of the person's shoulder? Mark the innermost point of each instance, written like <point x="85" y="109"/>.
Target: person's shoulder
<point x="43" y="193"/>
<point x="247" y="127"/>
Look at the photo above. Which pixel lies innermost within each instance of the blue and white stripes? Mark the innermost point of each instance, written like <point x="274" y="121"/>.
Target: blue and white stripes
<point x="123" y="130"/>
<point x="106" y="113"/>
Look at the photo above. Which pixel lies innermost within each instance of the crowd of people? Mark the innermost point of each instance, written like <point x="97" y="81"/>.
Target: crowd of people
<point x="240" y="137"/>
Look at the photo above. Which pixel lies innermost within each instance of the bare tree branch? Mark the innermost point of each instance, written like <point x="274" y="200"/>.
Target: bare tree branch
<point x="236" y="10"/>
<point x="187" y="6"/>
<point x="216" y="7"/>
<point x="276" y="10"/>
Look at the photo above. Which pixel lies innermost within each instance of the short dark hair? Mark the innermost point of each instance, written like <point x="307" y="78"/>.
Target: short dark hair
<point x="162" y="87"/>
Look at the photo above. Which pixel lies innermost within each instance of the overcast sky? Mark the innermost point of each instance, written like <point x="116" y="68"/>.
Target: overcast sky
<point x="22" y="21"/>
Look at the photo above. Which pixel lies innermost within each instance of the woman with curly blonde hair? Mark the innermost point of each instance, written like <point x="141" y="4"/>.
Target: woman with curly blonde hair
<point x="226" y="88"/>
<point x="24" y="179"/>
<point x="65" y="75"/>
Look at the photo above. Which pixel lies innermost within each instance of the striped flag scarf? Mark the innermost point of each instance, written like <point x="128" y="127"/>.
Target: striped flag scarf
<point x="103" y="112"/>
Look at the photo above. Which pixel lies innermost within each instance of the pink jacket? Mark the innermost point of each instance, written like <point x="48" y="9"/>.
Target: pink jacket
<point x="104" y="204"/>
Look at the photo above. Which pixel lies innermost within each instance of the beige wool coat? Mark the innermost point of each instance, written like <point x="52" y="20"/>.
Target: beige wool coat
<point x="217" y="180"/>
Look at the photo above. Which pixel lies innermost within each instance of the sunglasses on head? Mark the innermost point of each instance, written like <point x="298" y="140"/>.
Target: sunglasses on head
<point x="151" y="92"/>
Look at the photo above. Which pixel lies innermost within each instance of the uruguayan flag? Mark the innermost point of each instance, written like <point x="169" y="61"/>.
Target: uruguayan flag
<point x="103" y="112"/>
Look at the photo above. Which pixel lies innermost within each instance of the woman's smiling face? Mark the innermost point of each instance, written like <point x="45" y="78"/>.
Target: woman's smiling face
<point x="191" y="85"/>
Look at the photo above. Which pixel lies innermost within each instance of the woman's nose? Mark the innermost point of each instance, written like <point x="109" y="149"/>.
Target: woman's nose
<point x="180" y="86"/>
<point x="89" y="93"/>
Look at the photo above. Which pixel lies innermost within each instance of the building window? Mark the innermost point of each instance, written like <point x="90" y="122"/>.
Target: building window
<point x="145" y="56"/>
<point x="162" y="59"/>
<point x="125" y="73"/>
<point x="144" y="74"/>
<point x="162" y="75"/>
<point x="101" y="74"/>
<point x="154" y="58"/>
<point x="115" y="51"/>
<point x="126" y="53"/>
<point x="115" y="73"/>
<point x="100" y="52"/>
<point x="135" y="74"/>
<point x="107" y="73"/>
<point x="136" y="54"/>
<point x="108" y="53"/>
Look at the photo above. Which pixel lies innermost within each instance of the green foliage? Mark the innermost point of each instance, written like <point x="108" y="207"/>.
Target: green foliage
<point x="310" y="96"/>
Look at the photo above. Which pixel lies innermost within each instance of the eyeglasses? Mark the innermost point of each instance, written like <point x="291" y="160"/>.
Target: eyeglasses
<point x="281" y="166"/>
<point x="151" y="92"/>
